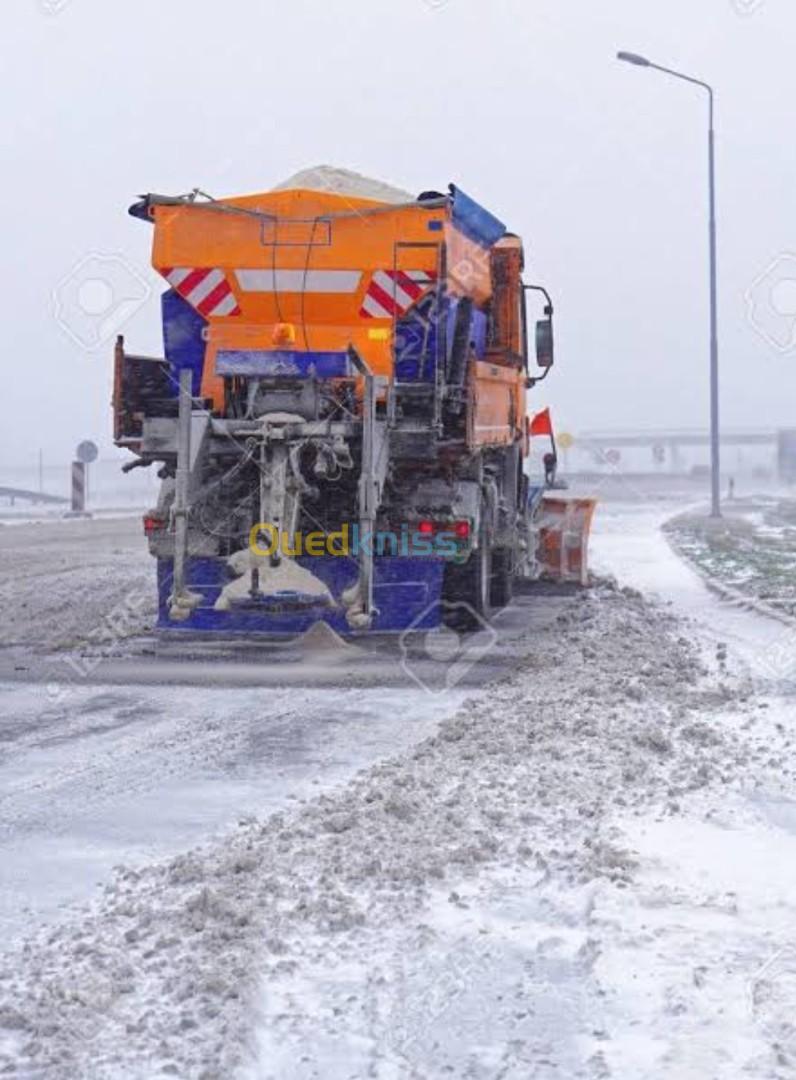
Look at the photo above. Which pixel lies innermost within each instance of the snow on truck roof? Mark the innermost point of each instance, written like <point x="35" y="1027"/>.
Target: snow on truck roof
<point x="344" y="182"/>
<point x="471" y="218"/>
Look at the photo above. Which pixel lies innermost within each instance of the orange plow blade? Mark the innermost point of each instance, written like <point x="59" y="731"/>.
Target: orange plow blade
<point x="564" y="526"/>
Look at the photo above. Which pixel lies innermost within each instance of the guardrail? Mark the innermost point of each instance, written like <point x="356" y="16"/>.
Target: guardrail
<point x="13" y="493"/>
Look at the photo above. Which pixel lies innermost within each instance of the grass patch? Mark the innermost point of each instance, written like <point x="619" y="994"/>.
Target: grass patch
<point x="751" y="549"/>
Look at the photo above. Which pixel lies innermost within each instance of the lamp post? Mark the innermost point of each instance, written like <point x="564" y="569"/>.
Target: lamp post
<point x="715" y="479"/>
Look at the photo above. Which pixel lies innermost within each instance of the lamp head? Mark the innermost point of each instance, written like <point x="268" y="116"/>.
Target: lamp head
<point x="633" y="58"/>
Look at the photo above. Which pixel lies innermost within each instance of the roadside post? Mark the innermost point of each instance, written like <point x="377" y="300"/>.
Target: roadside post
<point x="85" y="454"/>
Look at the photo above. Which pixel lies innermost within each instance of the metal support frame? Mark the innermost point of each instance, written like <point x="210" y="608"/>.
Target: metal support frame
<point x="182" y="602"/>
<point x="369" y="487"/>
<point x="439" y="290"/>
<point x="281" y="485"/>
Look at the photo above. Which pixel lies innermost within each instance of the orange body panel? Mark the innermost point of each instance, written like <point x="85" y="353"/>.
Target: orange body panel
<point x="497" y="404"/>
<point x="506" y="284"/>
<point x="295" y="239"/>
<point x="497" y="385"/>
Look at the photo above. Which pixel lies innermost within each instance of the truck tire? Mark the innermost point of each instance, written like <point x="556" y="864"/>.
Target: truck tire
<point x="481" y="579"/>
<point x="502" y="586"/>
<point x="470" y="584"/>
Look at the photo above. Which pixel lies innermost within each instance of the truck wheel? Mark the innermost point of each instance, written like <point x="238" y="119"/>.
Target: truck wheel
<point x="481" y="586"/>
<point x="470" y="583"/>
<point x="502" y="587"/>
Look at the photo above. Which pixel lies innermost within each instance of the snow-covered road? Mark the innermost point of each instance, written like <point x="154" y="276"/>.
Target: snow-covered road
<point x="587" y="869"/>
<point x="110" y="775"/>
<point x="124" y="750"/>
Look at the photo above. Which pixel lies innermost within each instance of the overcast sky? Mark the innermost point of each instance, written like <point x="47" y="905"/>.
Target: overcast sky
<point x="600" y="166"/>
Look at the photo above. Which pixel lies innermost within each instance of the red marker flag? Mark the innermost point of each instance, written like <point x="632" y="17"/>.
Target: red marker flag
<point x="541" y="424"/>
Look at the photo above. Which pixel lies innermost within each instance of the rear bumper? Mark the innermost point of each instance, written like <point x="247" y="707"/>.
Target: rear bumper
<point x="407" y="592"/>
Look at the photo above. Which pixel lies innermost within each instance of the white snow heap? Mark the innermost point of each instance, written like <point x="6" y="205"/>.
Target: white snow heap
<point x="344" y="182"/>
<point x="287" y="576"/>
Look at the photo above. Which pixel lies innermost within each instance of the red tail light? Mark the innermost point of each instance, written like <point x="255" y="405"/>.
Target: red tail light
<point x="153" y="523"/>
<point x="460" y="529"/>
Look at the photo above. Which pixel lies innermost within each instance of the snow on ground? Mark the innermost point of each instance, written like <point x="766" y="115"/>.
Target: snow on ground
<point x="630" y="542"/>
<point x="105" y="775"/>
<point x="586" y="871"/>
<point x="67" y="583"/>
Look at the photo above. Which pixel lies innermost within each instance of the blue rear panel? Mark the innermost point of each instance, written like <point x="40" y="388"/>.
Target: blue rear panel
<point x="260" y="363"/>
<point x="183" y="342"/>
<point x="416" y="342"/>
<point x="416" y="338"/>
<point x="473" y="220"/>
<point x="406" y="592"/>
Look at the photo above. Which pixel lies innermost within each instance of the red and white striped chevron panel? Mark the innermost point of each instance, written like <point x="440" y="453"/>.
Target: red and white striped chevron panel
<point x="392" y="292"/>
<point x="205" y="289"/>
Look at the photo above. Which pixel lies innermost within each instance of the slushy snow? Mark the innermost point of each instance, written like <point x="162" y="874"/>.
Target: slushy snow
<point x="494" y="902"/>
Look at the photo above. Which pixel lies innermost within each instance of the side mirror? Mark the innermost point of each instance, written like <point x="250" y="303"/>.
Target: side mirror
<point x="544" y="343"/>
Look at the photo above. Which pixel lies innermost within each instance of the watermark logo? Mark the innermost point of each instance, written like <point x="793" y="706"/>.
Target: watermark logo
<point x="52" y="7"/>
<point x="772" y="997"/>
<point x="778" y="661"/>
<point x="266" y="539"/>
<point x="438" y="656"/>
<point x="122" y="621"/>
<point x="747" y="7"/>
<point x="771" y="303"/>
<point x="417" y="1000"/>
<point x="97" y="297"/>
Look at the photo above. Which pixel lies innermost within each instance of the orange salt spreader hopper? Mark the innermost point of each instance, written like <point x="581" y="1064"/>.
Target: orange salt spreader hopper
<point x="308" y="270"/>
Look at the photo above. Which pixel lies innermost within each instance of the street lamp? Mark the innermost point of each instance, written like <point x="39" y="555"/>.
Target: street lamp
<point x="715" y="481"/>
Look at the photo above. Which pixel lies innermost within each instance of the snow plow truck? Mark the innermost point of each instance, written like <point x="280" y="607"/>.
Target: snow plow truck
<point x="339" y="419"/>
